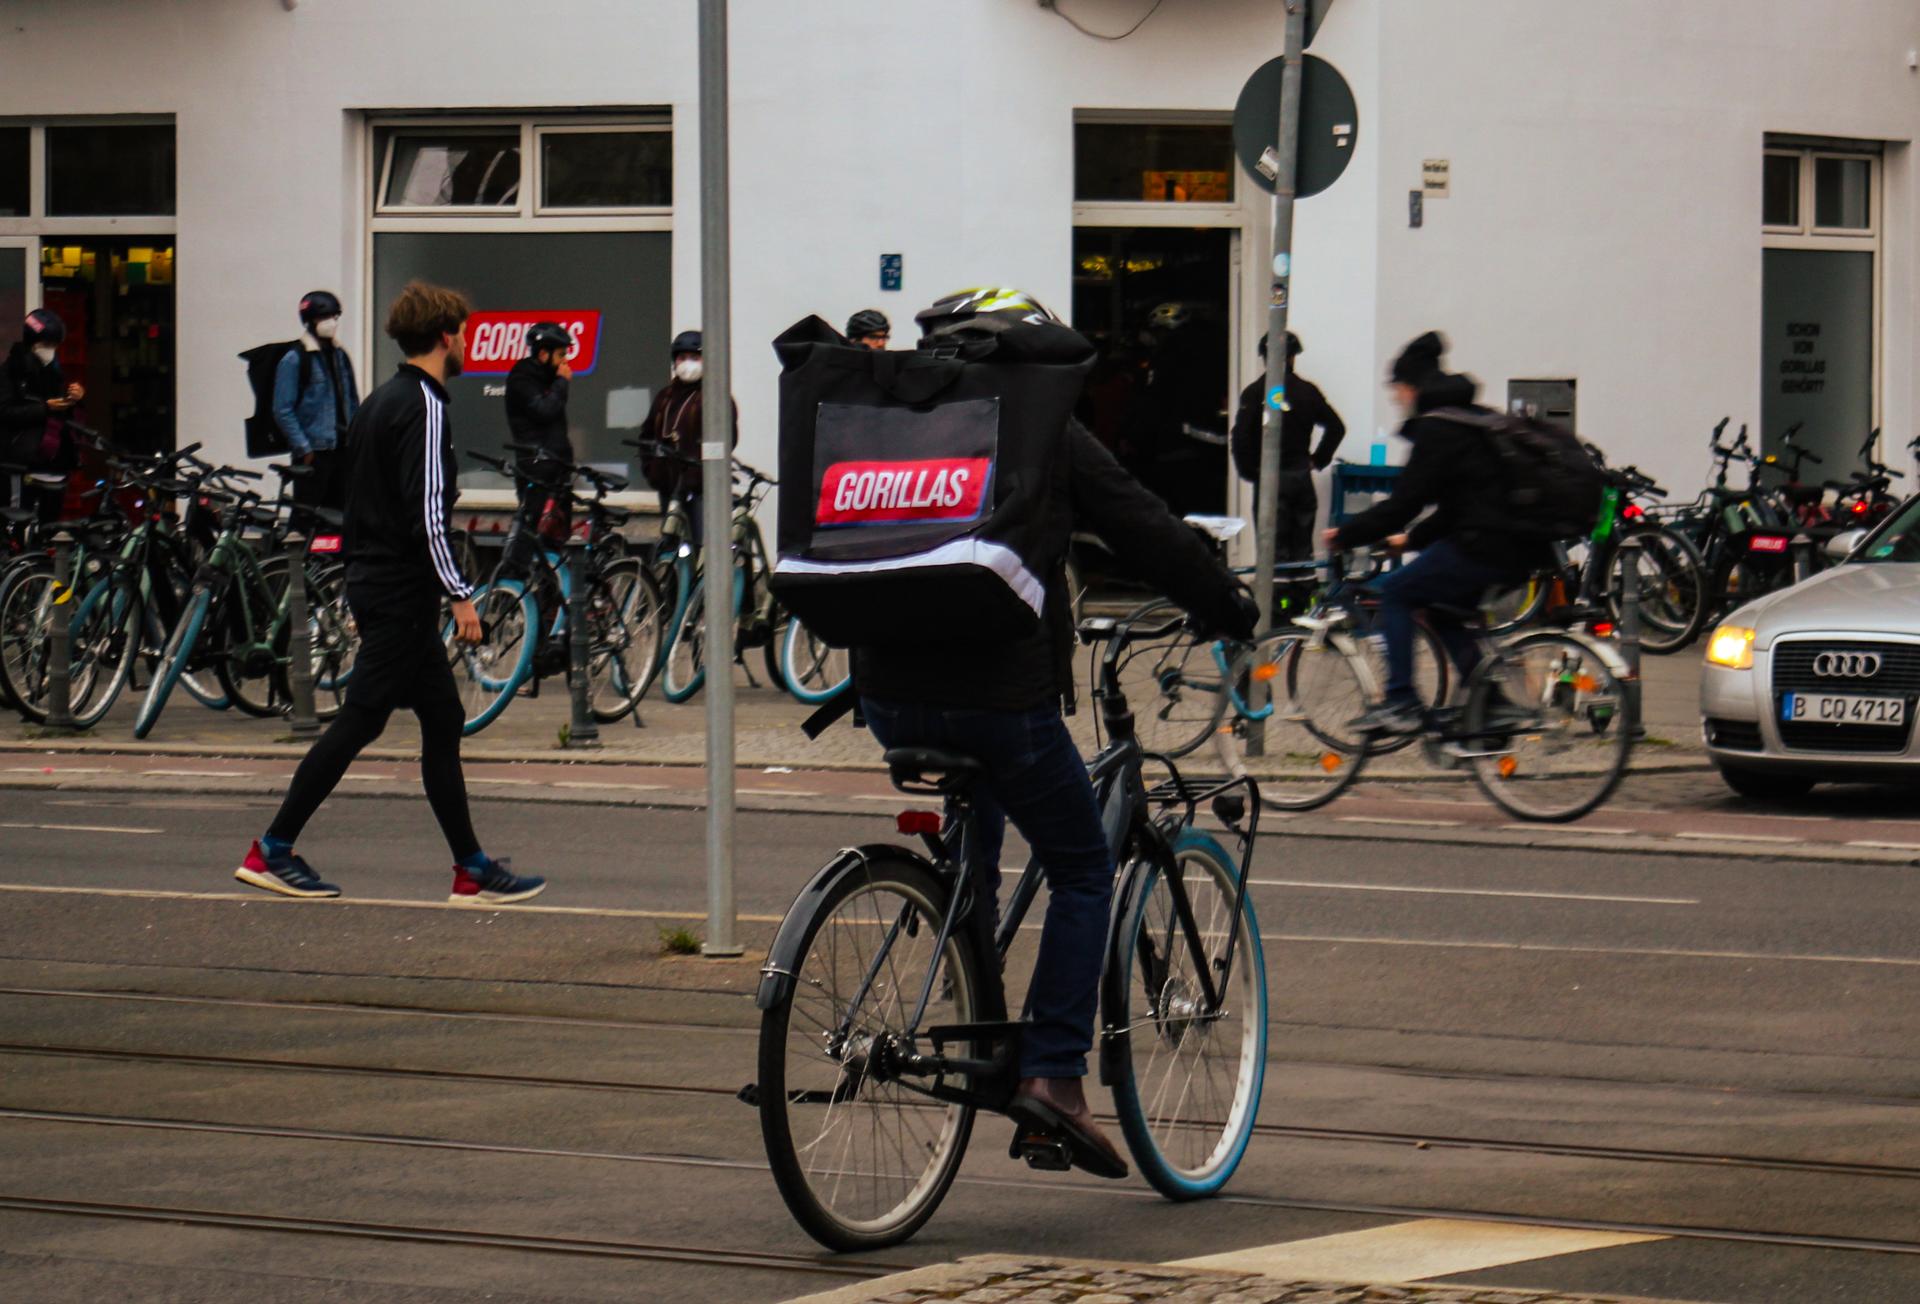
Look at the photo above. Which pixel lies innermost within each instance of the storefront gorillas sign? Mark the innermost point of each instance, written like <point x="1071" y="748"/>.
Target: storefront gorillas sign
<point x="497" y="340"/>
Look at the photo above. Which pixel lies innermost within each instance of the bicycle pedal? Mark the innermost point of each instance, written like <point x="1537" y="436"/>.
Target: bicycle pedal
<point x="1041" y="1150"/>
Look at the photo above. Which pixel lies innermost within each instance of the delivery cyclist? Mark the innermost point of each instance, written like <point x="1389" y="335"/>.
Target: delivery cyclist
<point x="999" y="702"/>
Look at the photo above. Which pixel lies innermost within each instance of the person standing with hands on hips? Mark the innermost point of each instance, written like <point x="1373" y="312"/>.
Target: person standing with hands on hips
<point x="33" y="414"/>
<point x="400" y="492"/>
<point x="314" y="399"/>
<point x="1307" y="408"/>
<point x="537" y="415"/>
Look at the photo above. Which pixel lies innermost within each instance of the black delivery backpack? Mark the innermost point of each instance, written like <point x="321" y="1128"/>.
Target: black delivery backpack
<point x="914" y="485"/>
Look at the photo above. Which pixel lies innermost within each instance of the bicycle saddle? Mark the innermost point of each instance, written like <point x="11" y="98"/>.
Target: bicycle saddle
<point x="928" y="767"/>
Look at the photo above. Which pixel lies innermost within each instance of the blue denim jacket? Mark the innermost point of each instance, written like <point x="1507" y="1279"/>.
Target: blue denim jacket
<point x="309" y="424"/>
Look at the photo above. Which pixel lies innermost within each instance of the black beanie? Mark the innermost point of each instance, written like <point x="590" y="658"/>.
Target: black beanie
<point x="1419" y="361"/>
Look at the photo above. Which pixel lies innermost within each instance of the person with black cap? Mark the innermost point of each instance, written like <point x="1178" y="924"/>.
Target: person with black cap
<point x="1307" y="409"/>
<point x="673" y="425"/>
<point x="314" y="398"/>
<point x="870" y="329"/>
<point x="34" y="405"/>
<point x="1465" y="544"/>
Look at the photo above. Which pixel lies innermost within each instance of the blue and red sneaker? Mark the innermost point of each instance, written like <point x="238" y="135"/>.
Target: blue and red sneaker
<point x="288" y="875"/>
<point x="496" y="885"/>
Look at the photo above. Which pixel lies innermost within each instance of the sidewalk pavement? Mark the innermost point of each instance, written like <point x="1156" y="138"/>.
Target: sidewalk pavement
<point x="999" y="1279"/>
<point x="766" y="730"/>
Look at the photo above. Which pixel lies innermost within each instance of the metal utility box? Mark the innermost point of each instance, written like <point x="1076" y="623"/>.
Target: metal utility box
<point x="1544" y="400"/>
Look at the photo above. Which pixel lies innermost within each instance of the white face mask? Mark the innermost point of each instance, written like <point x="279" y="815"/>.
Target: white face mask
<point x="326" y="327"/>
<point x="687" y="369"/>
<point x="46" y="353"/>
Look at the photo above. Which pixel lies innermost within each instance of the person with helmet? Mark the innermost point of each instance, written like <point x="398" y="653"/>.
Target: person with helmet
<point x="33" y="414"/>
<point x="673" y="424"/>
<point x="537" y="413"/>
<point x="1307" y="409"/>
<point x="314" y="397"/>
<point x="999" y="701"/>
<point x="870" y="329"/>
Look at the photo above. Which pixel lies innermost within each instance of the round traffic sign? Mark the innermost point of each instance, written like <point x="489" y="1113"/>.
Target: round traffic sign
<point x="1329" y="124"/>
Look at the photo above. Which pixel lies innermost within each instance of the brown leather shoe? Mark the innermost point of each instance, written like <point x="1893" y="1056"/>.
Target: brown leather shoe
<point x="1058" y="1106"/>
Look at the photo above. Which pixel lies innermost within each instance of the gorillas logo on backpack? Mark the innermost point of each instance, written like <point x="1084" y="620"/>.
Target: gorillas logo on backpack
<point x="885" y="493"/>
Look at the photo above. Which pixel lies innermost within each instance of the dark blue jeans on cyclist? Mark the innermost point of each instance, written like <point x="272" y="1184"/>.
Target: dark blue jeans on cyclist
<point x="1035" y="777"/>
<point x="1441" y="573"/>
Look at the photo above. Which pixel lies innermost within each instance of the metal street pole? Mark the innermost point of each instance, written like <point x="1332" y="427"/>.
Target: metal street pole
<point x="716" y="475"/>
<point x="1267" y="504"/>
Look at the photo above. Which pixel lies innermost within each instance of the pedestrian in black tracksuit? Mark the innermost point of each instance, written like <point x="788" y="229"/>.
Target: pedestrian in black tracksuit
<point x="401" y="567"/>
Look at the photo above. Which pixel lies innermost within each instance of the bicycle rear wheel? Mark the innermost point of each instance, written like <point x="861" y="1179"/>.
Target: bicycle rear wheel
<point x="105" y="643"/>
<point x="814" y="670"/>
<point x="1308" y="756"/>
<point x="490" y="672"/>
<point x="685" y="666"/>
<point x="1189" y="1085"/>
<point x="182" y="643"/>
<point x="1547" y="727"/>
<point x="625" y="619"/>
<point x="1670" y="584"/>
<point x="862" y="1159"/>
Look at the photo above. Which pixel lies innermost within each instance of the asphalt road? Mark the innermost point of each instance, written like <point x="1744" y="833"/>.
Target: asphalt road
<point x="1717" y="1051"/>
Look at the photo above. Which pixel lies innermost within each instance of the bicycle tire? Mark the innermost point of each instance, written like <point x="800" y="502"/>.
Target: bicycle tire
<point x="116" y="638"/>
<point x="624" y="613"/>
<point x="27" y="612"/>
<point x="268" y="694"/>
<point x="1571" y="738"/>
<point x="502" y="660"/>
<point x="1163" y="1018"/>
<point x="181" y="643"/>
<point x="813" y="669"/>
<point x="1673" y="613"/>
<point x="797" y="1066"/>
<point x="22" y="638"/>
<point x="1305" y="764"/>
<point x="683" y="668"/>
<point x="1177" y="684"/>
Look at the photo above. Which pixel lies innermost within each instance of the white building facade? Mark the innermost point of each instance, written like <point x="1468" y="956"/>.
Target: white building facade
<point x="1681" y="209"/>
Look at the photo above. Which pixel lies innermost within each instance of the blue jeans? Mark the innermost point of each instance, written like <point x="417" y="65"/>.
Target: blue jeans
<point x="1035" y="777"/>
<point x="1441" y="573"/>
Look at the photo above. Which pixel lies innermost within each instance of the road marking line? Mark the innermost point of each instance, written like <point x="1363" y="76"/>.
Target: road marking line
<point x="1804" y="819"/>
<point x="152" y="894"/>
<point x="1474" y="892"/>
<point x="774" y="792"/>
<point x="1550" y="948"/>
<point x="1573" y="828"/>
<point x="1382" y="819"/>
<point x="1888" y="846"/>
<point x="471" y="779"/>
<point x="54" y="769"/>
<point x="1735" y="837"/>
<point x="1413" y="1251"/>
<point x="615" y="787"/>
<point x="78" y="828"/>
<point x="200" y="774"/>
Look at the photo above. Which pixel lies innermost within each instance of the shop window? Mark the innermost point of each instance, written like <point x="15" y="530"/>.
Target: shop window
<point x="1842" y="188"/>
<point x="1130" y="162"/>
<point x="110" y="171"/>
<point x="1780" y="205"/>
<point x="14" y="186"/>
<point x="593" y="168"/>
<point x="451" y="170"/>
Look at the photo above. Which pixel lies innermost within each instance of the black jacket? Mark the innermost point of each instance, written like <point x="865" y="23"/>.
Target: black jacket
<point x="1090" y="492"/>
<point x="1455" y="471"/>
<point x="1307" y="407"/>
<point x="400" y="492"/>
<point x="28" y="384"/>
<point x="537" y="408"/>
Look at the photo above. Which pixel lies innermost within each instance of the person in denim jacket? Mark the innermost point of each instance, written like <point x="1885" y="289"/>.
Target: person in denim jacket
<point x="314" y="397"/>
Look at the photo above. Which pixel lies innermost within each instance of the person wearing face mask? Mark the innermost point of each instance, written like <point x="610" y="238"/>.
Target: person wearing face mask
<point x="1466" y="544"/>
<point x="314" y="399"/>
<point x="401" y="569"/>
<point x="33" y="415"/>
<point x="674" y="425"/>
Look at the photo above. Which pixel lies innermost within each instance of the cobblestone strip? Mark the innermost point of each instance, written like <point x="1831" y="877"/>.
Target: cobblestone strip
<point x="995" y="1279"/>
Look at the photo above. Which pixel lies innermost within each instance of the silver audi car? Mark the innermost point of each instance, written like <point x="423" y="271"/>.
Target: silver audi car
<point x="1819" y="681"/>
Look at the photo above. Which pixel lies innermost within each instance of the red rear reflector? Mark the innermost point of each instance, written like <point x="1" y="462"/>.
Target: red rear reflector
<point x="1860" y="509"/>
<point x="1768" y="543"/>
<point x="1603" y="630"/>
<point x="1632" y="512"/>
<point x="326" y="543"/>
<point x="919" y="821"/>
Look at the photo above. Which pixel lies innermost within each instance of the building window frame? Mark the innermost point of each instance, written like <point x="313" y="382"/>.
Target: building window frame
<point x="37" y="223"/>
<point x="543" y="130"/>
<point x="1160" y="212"/>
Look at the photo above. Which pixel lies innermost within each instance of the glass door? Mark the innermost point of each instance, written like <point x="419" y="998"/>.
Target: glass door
<point x="19" y="291"/>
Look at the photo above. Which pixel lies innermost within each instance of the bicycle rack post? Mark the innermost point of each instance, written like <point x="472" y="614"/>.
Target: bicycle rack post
<point x="299" y="637"/>
<point x="1630" y="630"/>
<point x="60" y="638"/>
<point x="582" y="731"/>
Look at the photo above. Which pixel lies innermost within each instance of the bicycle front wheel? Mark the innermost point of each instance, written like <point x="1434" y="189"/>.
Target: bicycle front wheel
<point x="1189" y="1085"/>
<point x="1669" y="581"/>
<point x="1547" y="728"/>
<point x="490" y="672"/>
<point x="174" y="659"/>
<point x="861" y="1158"/>
<point x="1175" y="686"/>
<point x="625" y="628"/>
<point x="1308" y="754"/>
<point x="686" y="660"/>
<point x="105" y="643"/>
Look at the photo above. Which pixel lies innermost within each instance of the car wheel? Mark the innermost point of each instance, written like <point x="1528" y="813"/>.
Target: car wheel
<point x="1766" y="785"/>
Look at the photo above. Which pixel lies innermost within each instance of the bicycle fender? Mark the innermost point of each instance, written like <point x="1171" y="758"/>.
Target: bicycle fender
<point x="787" y="952"/>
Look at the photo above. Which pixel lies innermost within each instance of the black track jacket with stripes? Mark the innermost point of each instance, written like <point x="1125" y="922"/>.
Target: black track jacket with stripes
<point x="400" y="492"/>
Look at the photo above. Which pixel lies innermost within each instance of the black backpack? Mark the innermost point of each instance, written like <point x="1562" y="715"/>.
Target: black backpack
<point x="915" y="485"/>
<point x="264" y="436"/>
<point x="1553" y="486"/>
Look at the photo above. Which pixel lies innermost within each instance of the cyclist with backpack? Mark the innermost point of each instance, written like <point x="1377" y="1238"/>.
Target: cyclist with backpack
<point x="1468" y="543"/>
<point x="949" y="494"/>
<point x="314" y="398"/>
<point x="537" y="414"/>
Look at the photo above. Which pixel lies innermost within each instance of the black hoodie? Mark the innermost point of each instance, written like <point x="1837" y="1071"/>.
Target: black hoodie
<point x="28" y="384"/>
<point x="537" y="408"/>
<point x="1455" y="471"/>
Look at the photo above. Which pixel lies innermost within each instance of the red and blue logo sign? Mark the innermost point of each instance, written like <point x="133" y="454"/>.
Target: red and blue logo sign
<point x="497" y="340"/>
<point x="916" y="492"/>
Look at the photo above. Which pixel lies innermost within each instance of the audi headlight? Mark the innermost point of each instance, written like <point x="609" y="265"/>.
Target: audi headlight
<point x="1731" y="646"/>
